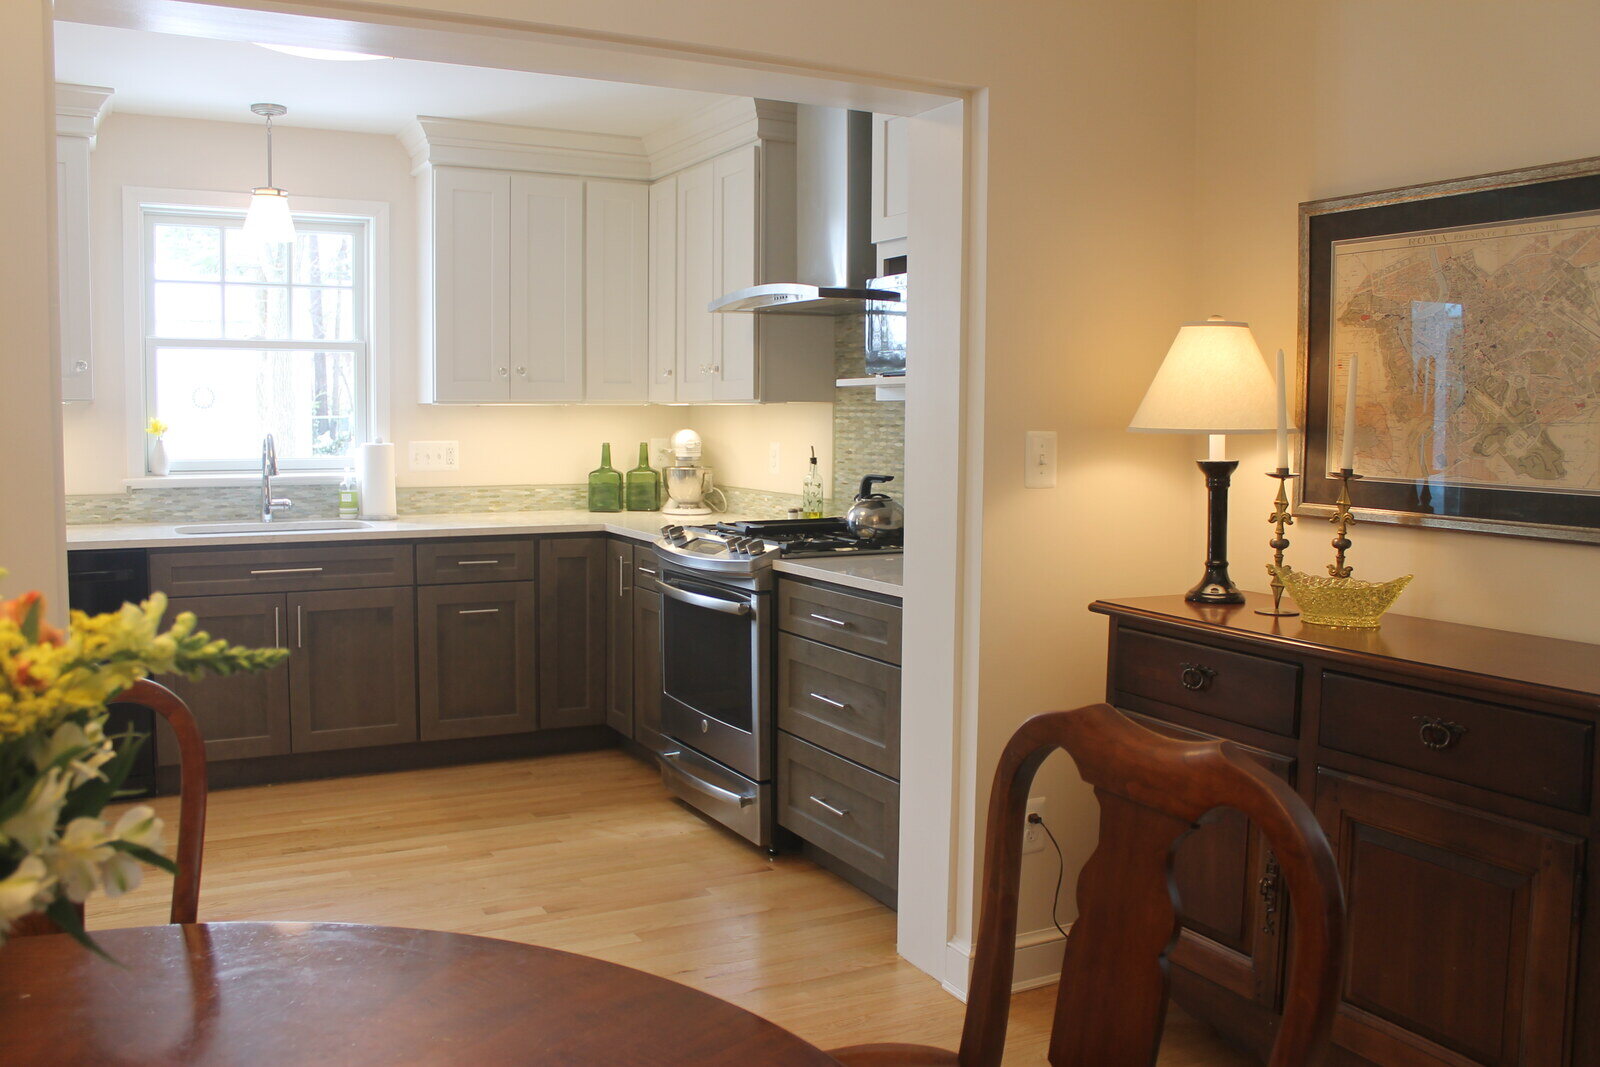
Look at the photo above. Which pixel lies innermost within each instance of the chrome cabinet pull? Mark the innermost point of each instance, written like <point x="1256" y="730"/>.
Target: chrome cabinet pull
<point x="647" y="570"/>
<point x="502" y="372"/>
<point x="1436" y="733"/>
<point x="832" y="703"/>
<point x="299" y="627"/>
<point x="840" y="812"/>
<point x="478" y="611"/>
<point x="1195" y="677"/>
<point x="829" y="620"/>
<point x="277" y="628"/>
<point x="289" y="570"/>
<point x="476" y="562"/>
<point x="621" y="576"/>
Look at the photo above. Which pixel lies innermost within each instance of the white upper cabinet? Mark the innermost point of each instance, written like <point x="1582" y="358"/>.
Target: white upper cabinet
<point x="737" y="176"/>
<point x="664" y="290"/>
<point x="470" y="269"/>
<point x="891" y="177"/>
<point x="617" y="289"/>
<point x="698" y="282"/>
<point x="79" y="109"/>
<point x="546" y="251"/>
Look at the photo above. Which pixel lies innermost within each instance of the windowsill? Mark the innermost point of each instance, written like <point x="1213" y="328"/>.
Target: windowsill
<point x="226" y="479"/>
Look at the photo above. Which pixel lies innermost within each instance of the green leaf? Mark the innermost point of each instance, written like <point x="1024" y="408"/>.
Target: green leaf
<point x="64" y="914"/>
<point x="150" y="856"/>
<point x="30" y="622"/>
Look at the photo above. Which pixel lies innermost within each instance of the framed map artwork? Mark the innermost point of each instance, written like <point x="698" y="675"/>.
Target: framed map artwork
<point x="1471" y="310"/>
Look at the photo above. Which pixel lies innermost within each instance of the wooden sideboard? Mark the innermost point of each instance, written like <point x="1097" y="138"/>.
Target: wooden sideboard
<point x="1453" y="769"/>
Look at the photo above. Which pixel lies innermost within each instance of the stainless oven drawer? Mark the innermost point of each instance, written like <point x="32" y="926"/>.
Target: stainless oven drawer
<point x="743" y="806"/>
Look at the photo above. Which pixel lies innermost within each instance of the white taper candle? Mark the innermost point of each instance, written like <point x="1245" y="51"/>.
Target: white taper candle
<point x="1347" y="455"/>
<point x="1283" y="416"/>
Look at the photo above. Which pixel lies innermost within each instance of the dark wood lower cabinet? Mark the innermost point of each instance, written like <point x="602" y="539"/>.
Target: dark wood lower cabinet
<point x="647" y="668"/>
<point x="246" y="715"/>
<point x="476" y="657"/>
<point x="619" y="637"/>
<point x="572" y="631"/>
<point x="352" y="668"/>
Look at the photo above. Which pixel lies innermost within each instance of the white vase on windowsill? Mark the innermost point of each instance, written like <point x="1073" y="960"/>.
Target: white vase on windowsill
<point x="160" y="465"/>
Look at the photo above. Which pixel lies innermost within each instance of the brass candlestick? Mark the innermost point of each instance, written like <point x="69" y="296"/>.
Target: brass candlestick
<point x="1279" y="518"/>
<point x="1342" y="520"/>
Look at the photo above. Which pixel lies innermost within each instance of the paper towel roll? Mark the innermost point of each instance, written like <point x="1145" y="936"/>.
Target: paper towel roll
<point x="375" y="468"/>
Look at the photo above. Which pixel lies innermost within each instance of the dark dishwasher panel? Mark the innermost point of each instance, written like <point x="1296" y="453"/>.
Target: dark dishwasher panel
<point x="103" y="580"/>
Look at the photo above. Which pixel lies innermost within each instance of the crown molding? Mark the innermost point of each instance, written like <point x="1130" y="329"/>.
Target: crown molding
<point x="79" y="109"/>
<point x="719" y="128"/>
<point x="492" y="145"/>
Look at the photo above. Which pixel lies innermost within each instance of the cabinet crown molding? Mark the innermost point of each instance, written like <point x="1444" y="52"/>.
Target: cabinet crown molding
<point x="80" y="108"/>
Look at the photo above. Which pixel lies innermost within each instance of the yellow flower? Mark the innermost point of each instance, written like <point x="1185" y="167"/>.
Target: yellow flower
<point x="155" y="427"/>
<point x="77" y="856"/>
<point x="22" y="891"/>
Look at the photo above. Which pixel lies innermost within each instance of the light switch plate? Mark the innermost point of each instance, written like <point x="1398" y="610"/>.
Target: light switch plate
<point x="435" y="455"/>
<point x="1039" y="465"/>
<point x="774" y="458"/>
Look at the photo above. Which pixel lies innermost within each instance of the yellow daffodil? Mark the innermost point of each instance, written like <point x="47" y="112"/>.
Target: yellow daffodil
<point x="155" y="427"/>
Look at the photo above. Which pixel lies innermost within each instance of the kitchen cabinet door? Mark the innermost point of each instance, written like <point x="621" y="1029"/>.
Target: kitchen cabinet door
<point x="572" y="631"/>
<point x="647" y="669"/>
<point x="619" y="641"/>
<point x="698" y="329"/>
<point x="1459" y="934"/>
<point x="245" y="715"/>
<point x="891" y="177"/>
<point x="72" y="262"/>
<point x="475" y="660"/>
<point x="352" y="668"/>
<point x="546" y="287"/>
<point x="470" y="270"/>
<point x="737" y="208"/>
<point x="664" y="291"/>
<point x="617" y="291"/>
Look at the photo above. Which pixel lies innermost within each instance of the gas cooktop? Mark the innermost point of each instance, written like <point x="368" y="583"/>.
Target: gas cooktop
<point x="746" y="546"/>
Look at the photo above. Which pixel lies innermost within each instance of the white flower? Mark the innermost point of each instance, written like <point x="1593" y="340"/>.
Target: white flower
<point x="23" y="890"/>
<point x="33" y="826"/>
<point x="90" y="741"/>
<point x="76" y="857"/>
<point x="138" y="826"/>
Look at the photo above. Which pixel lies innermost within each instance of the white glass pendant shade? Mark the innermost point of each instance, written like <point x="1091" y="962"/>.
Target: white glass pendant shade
<point x="268" y="220"/>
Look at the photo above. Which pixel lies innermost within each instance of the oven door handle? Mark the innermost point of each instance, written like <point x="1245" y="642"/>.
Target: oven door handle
<point x="694" y="781"/>
<point x="701" y="600"/>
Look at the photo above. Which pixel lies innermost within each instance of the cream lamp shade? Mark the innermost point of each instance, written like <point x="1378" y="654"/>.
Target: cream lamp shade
<point x="1213" y="381"/>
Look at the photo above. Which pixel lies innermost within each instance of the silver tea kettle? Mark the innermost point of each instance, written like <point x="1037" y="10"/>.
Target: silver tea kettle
<point x="874" y="514"/>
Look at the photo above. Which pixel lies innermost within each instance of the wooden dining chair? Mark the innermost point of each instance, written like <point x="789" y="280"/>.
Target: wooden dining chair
<point x="192" y="794"/>
<point x="1152" y="790"/>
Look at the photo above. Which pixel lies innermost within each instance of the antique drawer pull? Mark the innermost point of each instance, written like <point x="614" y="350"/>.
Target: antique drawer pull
<point x="830" y="620"/>
<point x="476" y="562"/>
<point x="832" y="703"/>
<point x="289" y="570"/>
<point x="1195" y="677"/>
<point x="1436" y="733"/>
<point x="1267" y="889"/>
<point x="478" y="611"/>
<point x="840" y="812"/>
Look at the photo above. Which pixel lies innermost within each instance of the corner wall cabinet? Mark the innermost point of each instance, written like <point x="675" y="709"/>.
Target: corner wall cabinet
<point x="891" y="183"/>
<point x="1452" y="768"/>
<point x="79" y="109"/>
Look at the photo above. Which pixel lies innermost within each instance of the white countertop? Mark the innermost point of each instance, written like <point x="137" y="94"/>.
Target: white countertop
<point x="876" y="573"/>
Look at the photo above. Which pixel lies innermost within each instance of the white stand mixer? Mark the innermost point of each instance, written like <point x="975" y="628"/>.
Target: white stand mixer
<point x="688" y="483"/>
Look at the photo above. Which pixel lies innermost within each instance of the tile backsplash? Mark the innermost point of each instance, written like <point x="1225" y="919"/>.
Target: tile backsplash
<point x="869" y="435"/>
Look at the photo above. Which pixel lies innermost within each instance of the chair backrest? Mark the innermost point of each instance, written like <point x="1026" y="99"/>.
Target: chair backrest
<point x="192" y="790"/>
<point x="1152" y="790"/>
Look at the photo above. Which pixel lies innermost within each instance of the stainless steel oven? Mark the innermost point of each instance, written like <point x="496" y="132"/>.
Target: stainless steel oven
<point x="716" y="655"/>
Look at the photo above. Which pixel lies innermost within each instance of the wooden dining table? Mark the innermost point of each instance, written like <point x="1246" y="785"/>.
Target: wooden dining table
<point x="287" y="993"/>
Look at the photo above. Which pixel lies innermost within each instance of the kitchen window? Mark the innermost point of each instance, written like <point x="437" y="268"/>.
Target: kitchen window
<point x="241" y="339"/>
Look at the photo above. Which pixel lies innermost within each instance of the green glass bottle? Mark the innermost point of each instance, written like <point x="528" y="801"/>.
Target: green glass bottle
<point x="605" y="484"/>
<point x="643" y="491"/>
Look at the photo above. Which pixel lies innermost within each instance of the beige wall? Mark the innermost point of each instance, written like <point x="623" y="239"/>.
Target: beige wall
<point x="509" y="445"/>
<point x="1301" y="101"/>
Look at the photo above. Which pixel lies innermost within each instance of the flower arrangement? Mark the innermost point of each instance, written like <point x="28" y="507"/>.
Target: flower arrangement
<point x="156" y="428"/>
<point x="59" y="770"/>
<point x="159" y="464"/>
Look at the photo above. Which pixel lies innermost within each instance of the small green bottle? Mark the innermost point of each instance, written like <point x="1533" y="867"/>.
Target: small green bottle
<point x="811" y="489"/>
<point x="605" y="484"/>
<point x="643" y="483"/>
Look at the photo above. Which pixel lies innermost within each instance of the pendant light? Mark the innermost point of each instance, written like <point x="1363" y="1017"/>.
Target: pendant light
<point x="268" y="219"/>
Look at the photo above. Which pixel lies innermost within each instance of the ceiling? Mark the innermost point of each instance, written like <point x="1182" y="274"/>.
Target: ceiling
<point x="193" y="77"/>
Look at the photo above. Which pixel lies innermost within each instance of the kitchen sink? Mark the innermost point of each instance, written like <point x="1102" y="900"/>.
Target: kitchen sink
<point x="272" y="527"/>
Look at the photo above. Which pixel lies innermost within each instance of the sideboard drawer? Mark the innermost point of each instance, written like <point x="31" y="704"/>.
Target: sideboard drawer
<point x="846" y="703"/>
<point x="1542" y="758"/>
<point x="1235" y="686"/>
<point x="301" y="568"/>
<point x="500" y="559"/>
<point x="846" y="810"/>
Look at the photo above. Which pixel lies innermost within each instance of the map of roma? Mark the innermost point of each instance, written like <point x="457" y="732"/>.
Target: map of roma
<point x="1480" y="354"/>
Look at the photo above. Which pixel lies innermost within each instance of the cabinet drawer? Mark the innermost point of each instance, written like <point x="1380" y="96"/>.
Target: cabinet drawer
<point x="840" y="619"/>
<point x="845" y="703"/>
<point x="214" y="571"/>
<point x="1524" y="754"/>
<point x="646" y="568"/>
<point x="845" y="810"/>
<point x="501" y="559"/>
<point x="1234" y="686"/>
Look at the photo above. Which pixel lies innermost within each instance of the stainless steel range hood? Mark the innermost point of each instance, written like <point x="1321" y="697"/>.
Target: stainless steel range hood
<point x="833" y="229"/>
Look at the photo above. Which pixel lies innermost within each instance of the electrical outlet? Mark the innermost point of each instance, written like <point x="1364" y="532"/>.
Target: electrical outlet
<point x="435" y="455"/>
<point x="1032" y="832"/>
<point x="660" y="452"/>
<point x="774" y="458"/>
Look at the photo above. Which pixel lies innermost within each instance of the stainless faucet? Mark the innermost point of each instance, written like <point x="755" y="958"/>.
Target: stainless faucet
<point x="269" y="466"/>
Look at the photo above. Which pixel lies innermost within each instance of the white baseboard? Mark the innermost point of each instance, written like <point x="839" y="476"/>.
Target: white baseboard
<point x="1038" y="962"/>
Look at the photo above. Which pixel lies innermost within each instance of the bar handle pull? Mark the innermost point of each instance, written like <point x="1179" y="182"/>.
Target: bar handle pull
<point x="832" y="703"/>
<point x="478" y="611"/>
<point x="823" y="804"/>
<point x="830" y="620"/>
<point x="288" y="570"/>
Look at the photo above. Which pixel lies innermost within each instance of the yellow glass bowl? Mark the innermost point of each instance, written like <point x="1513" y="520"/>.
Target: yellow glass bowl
<point x="1349" y="603"/>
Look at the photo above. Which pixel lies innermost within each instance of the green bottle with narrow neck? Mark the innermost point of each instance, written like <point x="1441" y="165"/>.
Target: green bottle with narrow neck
<point x="605" y="484"/>
<point x="643" y="483"/>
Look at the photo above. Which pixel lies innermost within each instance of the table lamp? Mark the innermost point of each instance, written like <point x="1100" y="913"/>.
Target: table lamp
<point x="1215" y="382"/>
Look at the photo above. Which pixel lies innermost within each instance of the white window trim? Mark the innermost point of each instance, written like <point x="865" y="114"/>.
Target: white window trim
<point x="134" y="200"/>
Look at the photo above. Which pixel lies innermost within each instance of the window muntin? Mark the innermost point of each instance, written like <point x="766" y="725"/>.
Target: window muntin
<point x="242" y="340"/>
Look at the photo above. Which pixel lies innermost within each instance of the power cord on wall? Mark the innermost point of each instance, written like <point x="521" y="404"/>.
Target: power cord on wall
<point x="1035" y="818"/>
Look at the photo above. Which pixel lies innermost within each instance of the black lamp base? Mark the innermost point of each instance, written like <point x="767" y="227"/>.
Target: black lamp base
<point x="1215" y="587"/>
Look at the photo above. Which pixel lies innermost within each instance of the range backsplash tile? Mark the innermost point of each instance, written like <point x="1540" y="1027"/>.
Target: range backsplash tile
<point x="869" y="435"/>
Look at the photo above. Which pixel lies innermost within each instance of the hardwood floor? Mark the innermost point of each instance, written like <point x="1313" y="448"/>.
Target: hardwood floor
<point x="587" y="853"/>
